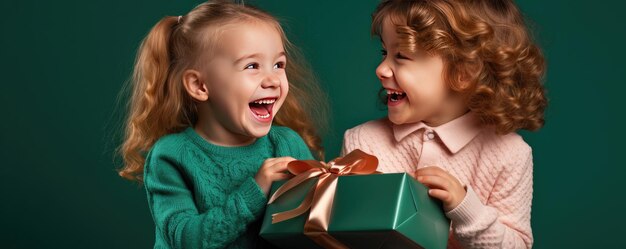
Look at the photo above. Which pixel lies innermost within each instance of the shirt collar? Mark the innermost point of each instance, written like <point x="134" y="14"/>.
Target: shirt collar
<point x="454" y="134"/>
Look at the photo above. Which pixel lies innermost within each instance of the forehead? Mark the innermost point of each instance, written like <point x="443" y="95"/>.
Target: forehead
<point x="243" y="38"/>
<point x="388" y="33"/>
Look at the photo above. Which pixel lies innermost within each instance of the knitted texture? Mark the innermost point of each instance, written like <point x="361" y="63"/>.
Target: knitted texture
<point x="497" y="171"/>
<point x="204" y="196"/>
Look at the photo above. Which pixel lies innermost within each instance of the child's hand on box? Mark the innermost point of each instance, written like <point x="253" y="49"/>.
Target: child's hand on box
<point x="272" y="169"/>
<point x="442" y="185"/>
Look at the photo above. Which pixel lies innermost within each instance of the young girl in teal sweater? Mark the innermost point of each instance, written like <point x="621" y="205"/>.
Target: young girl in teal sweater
<point x="207" y="88"/>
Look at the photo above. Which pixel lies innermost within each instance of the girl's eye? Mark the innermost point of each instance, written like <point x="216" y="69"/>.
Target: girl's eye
<point x="279" y="65"/>
<point x="383" y="52"/>
<point x="401" y="57"/>
<point x="252" y="66"/>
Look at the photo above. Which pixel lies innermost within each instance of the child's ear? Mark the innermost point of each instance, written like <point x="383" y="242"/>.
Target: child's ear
<point x="464" y="78"/>
<point x="192" y="80"/>
<point x="463" y="81"/>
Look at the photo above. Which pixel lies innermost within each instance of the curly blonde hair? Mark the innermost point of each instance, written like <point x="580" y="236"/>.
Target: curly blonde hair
<point x="159" y="105"/>
<point x="488" y="52"/>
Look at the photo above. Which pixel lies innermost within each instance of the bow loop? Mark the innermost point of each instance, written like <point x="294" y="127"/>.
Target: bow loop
<point x="320" y="197"/>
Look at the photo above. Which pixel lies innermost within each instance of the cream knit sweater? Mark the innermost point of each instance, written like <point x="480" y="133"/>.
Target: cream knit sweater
<point x="497" y="171"/>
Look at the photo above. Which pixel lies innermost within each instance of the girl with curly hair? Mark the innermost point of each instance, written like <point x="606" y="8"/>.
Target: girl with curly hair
<point x="460" y="77"/>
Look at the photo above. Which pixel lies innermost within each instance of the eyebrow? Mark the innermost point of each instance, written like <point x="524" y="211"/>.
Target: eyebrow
<point x="237" y="61"/>
<point x="256" y="55"/>
<point x="282" y="53"/>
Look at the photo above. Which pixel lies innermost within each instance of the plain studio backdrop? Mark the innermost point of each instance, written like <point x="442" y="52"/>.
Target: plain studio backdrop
<point x="64" y="62"/>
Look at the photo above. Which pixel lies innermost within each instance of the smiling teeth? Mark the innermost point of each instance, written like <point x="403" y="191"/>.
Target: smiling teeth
<point x="264" y="116"/>
<point x="265" y="101"/>
<point x="389" y="92"/>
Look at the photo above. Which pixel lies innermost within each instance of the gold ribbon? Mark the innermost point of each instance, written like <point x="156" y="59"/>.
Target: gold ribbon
<point x="320" y="197"/>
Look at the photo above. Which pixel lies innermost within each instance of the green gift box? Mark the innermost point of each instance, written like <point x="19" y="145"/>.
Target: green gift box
<point x="368" y="211"/>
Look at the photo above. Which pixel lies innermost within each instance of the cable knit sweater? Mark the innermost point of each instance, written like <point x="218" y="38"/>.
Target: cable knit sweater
<point x="204" y="196"/>
<point x="496" y="170"/>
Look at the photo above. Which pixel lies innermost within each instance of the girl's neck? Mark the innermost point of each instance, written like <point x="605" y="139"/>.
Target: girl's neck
<point x="455" y="109"/>
<point x="216" y="134"/>
<point x="437" y="121"/>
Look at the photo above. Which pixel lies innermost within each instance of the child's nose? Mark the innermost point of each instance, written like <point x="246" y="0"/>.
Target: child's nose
<point x="270" y="80"/>
<point x="383" y="71"/>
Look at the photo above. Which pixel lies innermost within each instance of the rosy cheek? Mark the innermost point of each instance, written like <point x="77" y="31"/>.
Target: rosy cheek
<point x="285" y="87"/>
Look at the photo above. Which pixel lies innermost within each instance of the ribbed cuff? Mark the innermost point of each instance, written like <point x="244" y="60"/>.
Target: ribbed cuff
<point x="253" y="196"/>
<point x="468" y="211"/>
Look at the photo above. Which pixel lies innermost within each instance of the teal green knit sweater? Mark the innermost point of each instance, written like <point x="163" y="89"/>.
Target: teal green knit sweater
<point x="204" y="196"/>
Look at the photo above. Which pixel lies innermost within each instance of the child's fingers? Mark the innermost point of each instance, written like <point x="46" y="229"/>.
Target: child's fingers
<point x="430" y="170"/>
<point x="268" y="162"/>
<point x="442" y="195"/>
<point x="272" y="162"/>
<point x="285" y="158"/>
<point x="281" y="160"/>
<point x="280" y="176"/>
<point x="280" y="166"/>
<point x="278" y="159"/>
<point x="434" y="182"/>
<point x="413" y="174"/>
<point x="436" y="171"/>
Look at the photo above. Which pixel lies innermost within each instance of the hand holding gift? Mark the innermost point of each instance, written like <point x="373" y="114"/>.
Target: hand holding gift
<point x="272" y="170"/>
<point x="442" y="186"/>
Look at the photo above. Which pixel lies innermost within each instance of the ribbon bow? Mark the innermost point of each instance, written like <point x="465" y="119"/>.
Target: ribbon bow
<point x="320" y="197"/>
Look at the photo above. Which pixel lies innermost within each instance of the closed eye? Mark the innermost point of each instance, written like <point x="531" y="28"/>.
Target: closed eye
<point x="402" y="57"/>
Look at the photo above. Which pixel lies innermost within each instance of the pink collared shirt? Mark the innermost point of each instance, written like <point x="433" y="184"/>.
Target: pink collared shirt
<point x="496" y="170"/>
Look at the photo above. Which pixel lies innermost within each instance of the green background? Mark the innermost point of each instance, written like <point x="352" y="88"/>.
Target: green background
<point x="64" y="62"/>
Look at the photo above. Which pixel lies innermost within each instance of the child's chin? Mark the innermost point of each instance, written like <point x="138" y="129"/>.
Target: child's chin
<point x="258" y="132"/>
<point x="396" y="119"/>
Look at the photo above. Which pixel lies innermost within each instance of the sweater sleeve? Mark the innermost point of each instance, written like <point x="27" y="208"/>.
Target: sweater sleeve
<point x="504" y="221"/>
<point x="177" y="218"/>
